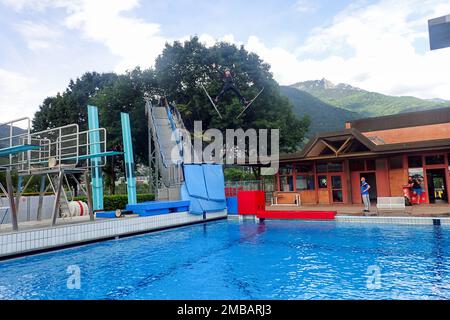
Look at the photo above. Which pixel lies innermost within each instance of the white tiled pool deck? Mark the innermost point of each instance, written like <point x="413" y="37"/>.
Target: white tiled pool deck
<point x="44" y="238"/>
<point x="395" y="220"/>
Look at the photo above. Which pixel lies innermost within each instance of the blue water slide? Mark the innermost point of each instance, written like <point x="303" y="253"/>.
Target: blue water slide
<point x="175" y="131"/>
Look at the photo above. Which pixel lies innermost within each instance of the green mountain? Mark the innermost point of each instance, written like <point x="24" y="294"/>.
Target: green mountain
<point x="365" y="102"/>
<point x="324" y="117"/>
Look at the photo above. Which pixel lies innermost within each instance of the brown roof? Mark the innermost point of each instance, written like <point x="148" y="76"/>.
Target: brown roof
<point x="383" y="123"/>
<point x="403" y="120"/>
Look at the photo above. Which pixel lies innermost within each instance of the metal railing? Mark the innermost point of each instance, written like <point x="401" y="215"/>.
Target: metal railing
<point x="171" y="173"/>
<point x="233" y="187"/>
<point x="57" y="148"/>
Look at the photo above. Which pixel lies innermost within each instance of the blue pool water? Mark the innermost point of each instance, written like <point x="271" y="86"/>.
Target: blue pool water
<point x="245" y="260"/>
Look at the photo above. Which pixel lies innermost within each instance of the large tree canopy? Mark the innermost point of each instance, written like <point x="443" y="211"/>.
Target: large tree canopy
<point x="178" y="73"/>
<point x="183" y="67"/>
<point x="70" y="106"/>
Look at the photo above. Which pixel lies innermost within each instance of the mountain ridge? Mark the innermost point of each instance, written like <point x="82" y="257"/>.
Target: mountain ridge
<point x="367" y="103"/>
<point x="323" y="116"/>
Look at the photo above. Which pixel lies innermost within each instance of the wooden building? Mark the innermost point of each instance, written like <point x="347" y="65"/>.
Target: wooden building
<point x="385" y="150"/>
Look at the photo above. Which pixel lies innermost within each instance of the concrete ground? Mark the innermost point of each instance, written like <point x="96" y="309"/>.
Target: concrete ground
<point x="423" y="210"/>
<point x="44" y="223"/>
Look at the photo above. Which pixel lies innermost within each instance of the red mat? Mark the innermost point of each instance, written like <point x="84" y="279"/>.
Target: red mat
<point x="310" y="215"/>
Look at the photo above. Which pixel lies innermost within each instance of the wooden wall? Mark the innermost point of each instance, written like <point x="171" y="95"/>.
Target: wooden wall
<point x="382" y="176"/>
<point x="324" y="196"/>
<point x="397" y="178"/>
<point x="356" y="194"/>
<point x="308" y="197"/>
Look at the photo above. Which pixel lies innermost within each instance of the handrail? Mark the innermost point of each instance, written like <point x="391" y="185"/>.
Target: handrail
<point x="170" y="172"/>
<point x="175" y="131"/>
<point x="156" y="137"/>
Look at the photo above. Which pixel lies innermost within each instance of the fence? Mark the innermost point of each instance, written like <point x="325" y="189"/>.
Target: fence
<point x="233" y="187"/>
<point x="28" y="208"/>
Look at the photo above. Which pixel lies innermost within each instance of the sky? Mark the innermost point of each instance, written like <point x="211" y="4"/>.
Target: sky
<point x="379" y="45"/>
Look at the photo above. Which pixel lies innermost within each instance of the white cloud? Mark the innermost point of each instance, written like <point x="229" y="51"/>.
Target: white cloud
<point x="371" y="47"/>
<point x="305" y="6"/>
<point x="133" y="40"/>
<point x="38" y="35"/>
<point x="38" y="5"/>
<point x="18" y="95"/>
<point x="210" y="41"/>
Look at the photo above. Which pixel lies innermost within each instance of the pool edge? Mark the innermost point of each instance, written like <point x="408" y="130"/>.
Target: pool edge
<point x="75" y="240"/>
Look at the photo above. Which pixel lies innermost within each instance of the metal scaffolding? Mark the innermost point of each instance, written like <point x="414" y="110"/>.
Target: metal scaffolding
<point x="53" y="155"/>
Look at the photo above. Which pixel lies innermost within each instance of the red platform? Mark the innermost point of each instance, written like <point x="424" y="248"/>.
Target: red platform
<point x="310" y="215"/>
<point x="250" y="202"/>
<point x="254" y="203"/>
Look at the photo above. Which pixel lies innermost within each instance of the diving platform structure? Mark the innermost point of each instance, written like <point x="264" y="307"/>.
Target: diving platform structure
<point x="60" y="157"/>
<point x="66" y="161"/>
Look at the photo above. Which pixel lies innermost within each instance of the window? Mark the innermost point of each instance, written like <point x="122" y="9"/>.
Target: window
<point x="415" y="162"/>
<point x="304" y="168"/>
<point x="321" y="167"/>
<point x="357" y="165"/>
<point x="337" y="196"/>
<point x="286" y="169"/>
<point x="336" y="182"/>
<point x="329" y="167"/>
<point x="286" y="183"/>
<point x="370" y="165"/>
<point x="436" y="159"/>
<point x="335" y="167"/>
<point x="305" y="182"/>
<point x="322" y="181"/>
<point x="336" y="189"/>
<point x="396" y="162"/>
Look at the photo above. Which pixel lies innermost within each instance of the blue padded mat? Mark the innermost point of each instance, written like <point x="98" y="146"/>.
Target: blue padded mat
<point x="214" y="181"/>
<point x="195" y="182"/>
<point x="204" y="187"/>
<point x="195" y="207"/>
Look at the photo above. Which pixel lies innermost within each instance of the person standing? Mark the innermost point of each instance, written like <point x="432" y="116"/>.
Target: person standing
<point x="417" y="188"/>
<point x="365" y="194"/>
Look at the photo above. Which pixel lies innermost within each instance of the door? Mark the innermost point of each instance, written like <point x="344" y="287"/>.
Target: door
<point x="371" y="179"/>
<point x="437" y="183"/>
<point x="322" y="189"/>
<point x="337" y="189"/>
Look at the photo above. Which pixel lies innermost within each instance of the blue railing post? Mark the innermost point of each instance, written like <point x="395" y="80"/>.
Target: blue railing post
<point x="129" y="158"/>
<point x="94" y="148"/>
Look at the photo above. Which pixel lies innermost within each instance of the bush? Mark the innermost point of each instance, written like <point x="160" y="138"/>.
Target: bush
<point x="119" y="201"/>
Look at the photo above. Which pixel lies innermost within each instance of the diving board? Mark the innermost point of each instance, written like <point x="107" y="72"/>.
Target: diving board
<point x="18" y="149"/>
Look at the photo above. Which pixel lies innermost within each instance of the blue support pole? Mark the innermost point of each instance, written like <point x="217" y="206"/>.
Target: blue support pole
<point x="129" y="158"/>
<point x="94" y="148"/>
<point x="19" y="183"/>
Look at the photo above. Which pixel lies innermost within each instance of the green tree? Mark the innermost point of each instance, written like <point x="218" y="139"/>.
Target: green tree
<point x="70" y="106"/>
<point x="178" y="73"/>
<point x="182" y="67"/>
<point x="125" y="94"/>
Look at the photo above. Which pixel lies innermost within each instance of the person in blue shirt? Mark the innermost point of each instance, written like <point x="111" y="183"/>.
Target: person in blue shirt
<point x="365" y="194"/>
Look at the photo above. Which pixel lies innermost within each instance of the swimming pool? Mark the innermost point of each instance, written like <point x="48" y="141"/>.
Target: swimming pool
<point x="244" y="260"/>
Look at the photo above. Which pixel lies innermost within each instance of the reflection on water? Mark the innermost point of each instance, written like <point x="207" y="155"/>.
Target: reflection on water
<point x="246" y="260"/>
